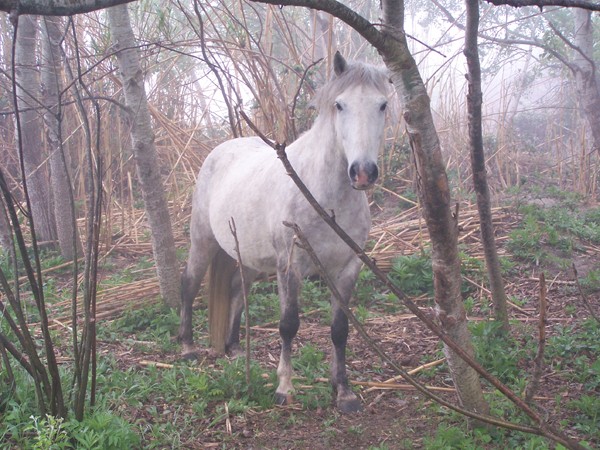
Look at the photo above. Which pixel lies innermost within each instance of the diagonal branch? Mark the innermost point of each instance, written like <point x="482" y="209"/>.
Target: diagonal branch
<point x="362" y="26"/>
<point x="543" y="427"/>
<point x="56" y="7"/>
<point x="305" y="245"/>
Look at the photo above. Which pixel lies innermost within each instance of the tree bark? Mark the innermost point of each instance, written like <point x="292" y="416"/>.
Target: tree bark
<point x="586" y="71"/>
<point x="60" y="180"/>
<point x="434" y="194"/>
<point x="474" y="101"/>
<point x="36" y="173"/>
<point x="142" y="136"/>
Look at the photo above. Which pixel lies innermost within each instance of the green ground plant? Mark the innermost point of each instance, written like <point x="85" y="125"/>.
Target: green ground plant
<point x="173" y="402"/>
<point x="558" y="227"/>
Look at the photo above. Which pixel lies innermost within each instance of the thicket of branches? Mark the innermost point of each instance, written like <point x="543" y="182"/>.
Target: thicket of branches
<point x="205" y="63"/>
<point x="262" y="57"/>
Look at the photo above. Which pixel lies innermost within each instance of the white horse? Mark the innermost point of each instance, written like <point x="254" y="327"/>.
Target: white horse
<point x="243" y="179"/>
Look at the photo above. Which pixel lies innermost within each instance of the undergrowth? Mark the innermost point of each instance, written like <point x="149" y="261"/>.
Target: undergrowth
<point x="151" y="407"/>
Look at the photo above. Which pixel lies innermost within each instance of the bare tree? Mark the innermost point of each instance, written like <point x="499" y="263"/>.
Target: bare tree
<point x="60" y="180"/>
<point x="434" y="193"/>
<point x="474" y="101"/>
<point x="578" y="55"/>
<point x="29" y="129"/>
<point x="142" y="136"/>
<point x="586" y="69"/>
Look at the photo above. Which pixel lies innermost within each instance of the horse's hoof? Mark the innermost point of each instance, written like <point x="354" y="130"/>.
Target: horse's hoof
<point x="190" y="356"/>
<point x="235" y="351"/>
<point x="283" y="399"/>
<point x="349" y="406"/>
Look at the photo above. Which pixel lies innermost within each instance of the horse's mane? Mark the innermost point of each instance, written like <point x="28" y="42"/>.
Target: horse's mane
<point x="356" y="73"/>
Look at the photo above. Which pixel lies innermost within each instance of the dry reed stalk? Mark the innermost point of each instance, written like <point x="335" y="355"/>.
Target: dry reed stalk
<point x="396" y="235"/>
<point x="393" y="380"/>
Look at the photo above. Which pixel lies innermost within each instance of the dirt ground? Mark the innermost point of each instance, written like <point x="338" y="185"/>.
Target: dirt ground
<point x="391" y="418"/>
<point x="394" y="418"/>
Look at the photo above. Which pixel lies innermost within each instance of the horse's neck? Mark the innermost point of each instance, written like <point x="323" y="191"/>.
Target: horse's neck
<point x="319" y="163"/>
<point x="316" y="150"/>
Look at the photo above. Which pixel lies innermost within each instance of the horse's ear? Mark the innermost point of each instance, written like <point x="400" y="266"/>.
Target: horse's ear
<point x="339" y="64"/>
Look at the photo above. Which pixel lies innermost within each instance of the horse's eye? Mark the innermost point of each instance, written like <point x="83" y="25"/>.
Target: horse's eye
<point x="383" y="107"/>
<point x="338" y="106"/>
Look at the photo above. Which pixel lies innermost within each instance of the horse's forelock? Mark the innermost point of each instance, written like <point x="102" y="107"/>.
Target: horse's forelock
<point x="355" y="74"/>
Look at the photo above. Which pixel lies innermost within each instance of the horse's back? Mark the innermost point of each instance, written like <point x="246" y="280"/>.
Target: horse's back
<point x="234" y="152"/>
<point x="236" y="182"/>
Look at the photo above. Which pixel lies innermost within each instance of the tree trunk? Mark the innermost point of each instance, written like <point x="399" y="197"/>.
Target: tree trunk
<point x="474" y="101"/>
<point x="60" y="180"/>
<point x="586" y="71"/>
<point x="27" y="92"/>
<point x="434" y="194"/>
<point x="6" y="238"/>
<point x="142" y="136"/>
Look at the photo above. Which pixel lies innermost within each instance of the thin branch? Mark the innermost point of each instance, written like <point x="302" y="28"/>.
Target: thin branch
<point x="297" y="95"/>
<point x="5" y="344"/>
<point x="347" y="15"/>
<point x="56" y="7"/>
<point x="520" y="41"/>
<point x="574" y="47"/>
<point x="538" y="362"/>
<point x="214" y="69"/>
<point x="305" y="245"/>
<point x="233" y="229"/>
<point x="543" y="427"/>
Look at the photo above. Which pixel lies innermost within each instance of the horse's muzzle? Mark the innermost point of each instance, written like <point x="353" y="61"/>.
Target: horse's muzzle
<point x="363" y="174"/>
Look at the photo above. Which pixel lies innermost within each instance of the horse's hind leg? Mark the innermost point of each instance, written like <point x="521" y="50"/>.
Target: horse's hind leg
<point x="202" y="251"/>
<point x="288" y="283"/>
<point x="347" y="401"/>
<point x="232" y="344"/>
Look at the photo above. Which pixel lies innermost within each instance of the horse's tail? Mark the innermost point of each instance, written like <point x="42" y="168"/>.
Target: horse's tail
<point x="221" y="271"/>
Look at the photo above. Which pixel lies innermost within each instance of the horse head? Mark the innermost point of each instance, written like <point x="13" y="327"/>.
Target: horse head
<point x="359" y="108"/>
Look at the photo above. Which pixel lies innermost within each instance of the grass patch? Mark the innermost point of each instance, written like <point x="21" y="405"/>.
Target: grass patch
<point x="558" y="228"/>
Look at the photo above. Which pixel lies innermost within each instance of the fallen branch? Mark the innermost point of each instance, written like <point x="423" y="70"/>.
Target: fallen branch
<point x="414" y="371"/>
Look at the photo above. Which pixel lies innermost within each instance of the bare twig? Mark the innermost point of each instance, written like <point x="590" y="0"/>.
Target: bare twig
<point x="245" y="296"/>
<point x="538" y="362"/>
<point x="297" y="95"/>
<point x="584" y="4"/>
<point x="410" y="372"/>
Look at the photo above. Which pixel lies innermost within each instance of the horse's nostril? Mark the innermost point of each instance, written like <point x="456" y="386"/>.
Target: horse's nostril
<point x="363" y="174"/>
<point x="353" y="171"/>
<point x="373" y="172"/>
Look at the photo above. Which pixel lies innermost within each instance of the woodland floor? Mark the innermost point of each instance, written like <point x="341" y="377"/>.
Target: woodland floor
<point x="392" y="418"/>
<point x="397" y="418"/>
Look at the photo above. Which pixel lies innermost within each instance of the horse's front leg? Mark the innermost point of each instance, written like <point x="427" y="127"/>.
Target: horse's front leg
<point x="288" y="283"/>
<point x="347" y="401"/>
